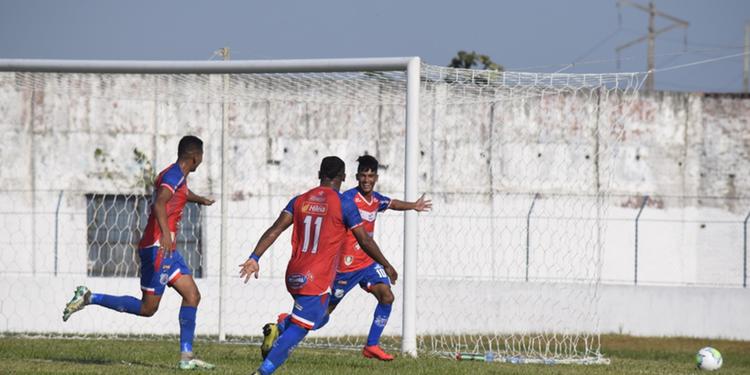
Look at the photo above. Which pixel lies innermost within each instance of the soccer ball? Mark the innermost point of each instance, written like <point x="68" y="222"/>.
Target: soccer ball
<point x="708" y="359"/>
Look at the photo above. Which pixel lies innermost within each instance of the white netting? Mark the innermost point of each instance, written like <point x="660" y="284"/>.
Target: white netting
<point x="517" y="165"/>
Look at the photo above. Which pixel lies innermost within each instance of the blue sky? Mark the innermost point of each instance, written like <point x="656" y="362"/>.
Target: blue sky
<point x="529" y="35"/>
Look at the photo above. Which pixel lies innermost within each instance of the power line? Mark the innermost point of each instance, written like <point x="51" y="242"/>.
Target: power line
<point x="701" y="62"/>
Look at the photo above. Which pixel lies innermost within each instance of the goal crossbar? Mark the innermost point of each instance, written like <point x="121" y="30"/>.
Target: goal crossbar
<point x="412" y="67"/>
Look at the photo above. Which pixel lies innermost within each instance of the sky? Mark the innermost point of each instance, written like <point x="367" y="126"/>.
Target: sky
<point x="574" y="36"/>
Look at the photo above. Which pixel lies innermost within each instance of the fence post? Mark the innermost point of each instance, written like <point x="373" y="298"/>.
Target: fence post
<point x="57" y="220"/>
<point x="744" y="251"/>
<point x="637" y="217"/>
<point x="528" y="233"/>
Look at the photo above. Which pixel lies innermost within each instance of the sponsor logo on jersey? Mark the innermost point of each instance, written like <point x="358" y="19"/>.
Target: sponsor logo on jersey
<point x="314" y="208"/>
<point x="338" y="293"/>
<point x="342" y="282"/>
<point x="317" y="198"/>
<point x="368" y="215"/>
<point x="348" y="260"/>
<point x="296" y="281"/>
<point x="163" y="279"/>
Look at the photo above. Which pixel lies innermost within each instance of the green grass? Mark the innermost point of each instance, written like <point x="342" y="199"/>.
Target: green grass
<point x="629" y="355"/>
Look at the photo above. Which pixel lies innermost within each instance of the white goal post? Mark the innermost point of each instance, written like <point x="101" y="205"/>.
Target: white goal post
<point x="506" y="267"/>
<point x="411" y="65"/>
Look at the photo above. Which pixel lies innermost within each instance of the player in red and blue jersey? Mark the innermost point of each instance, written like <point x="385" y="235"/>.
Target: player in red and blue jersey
<point x="321" y="219"/>
<point x="356" y="267"/>
<point x="161" y="263"/>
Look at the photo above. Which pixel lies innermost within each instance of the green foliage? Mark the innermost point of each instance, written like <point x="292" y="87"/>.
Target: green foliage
<point x="629" y="355"/>
<point x="471" y="60"/>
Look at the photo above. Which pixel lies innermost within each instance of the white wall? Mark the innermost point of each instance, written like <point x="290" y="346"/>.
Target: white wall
<point x="481" y="164"/>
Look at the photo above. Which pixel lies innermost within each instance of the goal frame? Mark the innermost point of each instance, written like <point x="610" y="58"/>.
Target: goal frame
<point x="410" y="65"/>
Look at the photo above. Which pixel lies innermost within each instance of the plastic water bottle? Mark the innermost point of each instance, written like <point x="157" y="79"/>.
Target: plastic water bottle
<point x="489" y="356"/>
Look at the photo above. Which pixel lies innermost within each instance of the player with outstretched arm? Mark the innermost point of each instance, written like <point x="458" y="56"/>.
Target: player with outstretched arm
<point x="161" y="263"/>
<point x="320" y="219"/>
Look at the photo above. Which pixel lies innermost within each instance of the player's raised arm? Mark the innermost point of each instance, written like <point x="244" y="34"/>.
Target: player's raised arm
<point x="420" y="205"/>
<point x="160" y="211"/>
<point x="192" y="197"/>
<point x="251" y="267"/>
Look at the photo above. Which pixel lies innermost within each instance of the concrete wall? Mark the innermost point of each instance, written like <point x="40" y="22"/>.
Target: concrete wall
<point x="482" y="164"/>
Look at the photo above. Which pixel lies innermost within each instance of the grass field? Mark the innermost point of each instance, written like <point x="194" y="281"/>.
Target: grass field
<point x="629" y="355"/>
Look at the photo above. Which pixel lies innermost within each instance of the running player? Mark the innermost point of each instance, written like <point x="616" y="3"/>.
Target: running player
<point x="161" y="264"/>
<point x="356" y="267"/>
<point x="321" y="218"/>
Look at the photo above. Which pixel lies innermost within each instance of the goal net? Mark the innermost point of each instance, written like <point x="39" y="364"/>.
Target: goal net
<point x="517" y="165"/>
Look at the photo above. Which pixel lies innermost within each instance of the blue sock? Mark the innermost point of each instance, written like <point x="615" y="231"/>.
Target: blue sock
<point x="187" y="328"/>
<point x="284" y="323"/>
<point x="282" y="348"/>
<point x="379" y="320"/>
<point x="322" y="322"/>
<point x="128" y="304"/>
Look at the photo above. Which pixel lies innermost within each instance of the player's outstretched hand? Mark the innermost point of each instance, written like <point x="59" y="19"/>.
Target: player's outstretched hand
<point x="422" y="204"/>
<point x="392" y="274"/>
<point x="249" y="268"/>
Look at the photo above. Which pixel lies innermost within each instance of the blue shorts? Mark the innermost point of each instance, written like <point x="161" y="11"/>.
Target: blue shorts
<point x="309" y="310"/>
<point x="156" y="273"/>
<point x="366" y="278"/>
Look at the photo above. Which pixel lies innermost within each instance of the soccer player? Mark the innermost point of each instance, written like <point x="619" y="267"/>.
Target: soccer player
<point x="161" y="263"/>
<point x="356" y="267"/>
<point x="321" y="218"/>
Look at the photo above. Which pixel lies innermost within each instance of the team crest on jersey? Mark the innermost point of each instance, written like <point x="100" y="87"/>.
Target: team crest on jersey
<point x="348" y="260"/>
<point x="314" y="208"/>
<point x="338" y="293"/>
<point x="163" y="279"/>
<point x="296" y="280"/>
<point x="368" y="215"/>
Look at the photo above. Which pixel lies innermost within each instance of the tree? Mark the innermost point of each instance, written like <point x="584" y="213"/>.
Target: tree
<point x="469" y="60"/>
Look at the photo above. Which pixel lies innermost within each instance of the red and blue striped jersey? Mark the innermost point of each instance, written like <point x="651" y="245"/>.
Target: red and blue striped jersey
<point x="321" y="220"/>
<point x="173" y="179"/>
<point x="352" y="256"/>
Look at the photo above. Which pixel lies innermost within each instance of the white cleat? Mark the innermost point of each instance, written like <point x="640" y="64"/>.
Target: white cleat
<point x="77" y="303"/>
<point x="195" y="364"/>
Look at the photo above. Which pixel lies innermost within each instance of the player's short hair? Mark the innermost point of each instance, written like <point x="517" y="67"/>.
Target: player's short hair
<point x="331" y="167"/>
<point x="189" y="144"/>
<point x="367" y="163"/>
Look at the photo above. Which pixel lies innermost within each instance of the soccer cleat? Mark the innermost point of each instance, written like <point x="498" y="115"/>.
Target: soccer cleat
<point x="270" y="334"/>
<point x="195" y="364"/>
<point x="77" y="303"/>
<point x="374" y="351"/>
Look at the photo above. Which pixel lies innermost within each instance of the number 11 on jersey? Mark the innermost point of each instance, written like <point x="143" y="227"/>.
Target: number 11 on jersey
<point x="308" y="223"/>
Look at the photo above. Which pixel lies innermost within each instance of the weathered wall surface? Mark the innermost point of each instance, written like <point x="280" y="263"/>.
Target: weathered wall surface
<point x="482" y="165"/>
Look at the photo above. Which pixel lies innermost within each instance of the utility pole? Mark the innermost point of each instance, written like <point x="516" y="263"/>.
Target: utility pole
<point x="224" y="52"/>
<point x="651" y="36"/>
<point x="746" y="69"/>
